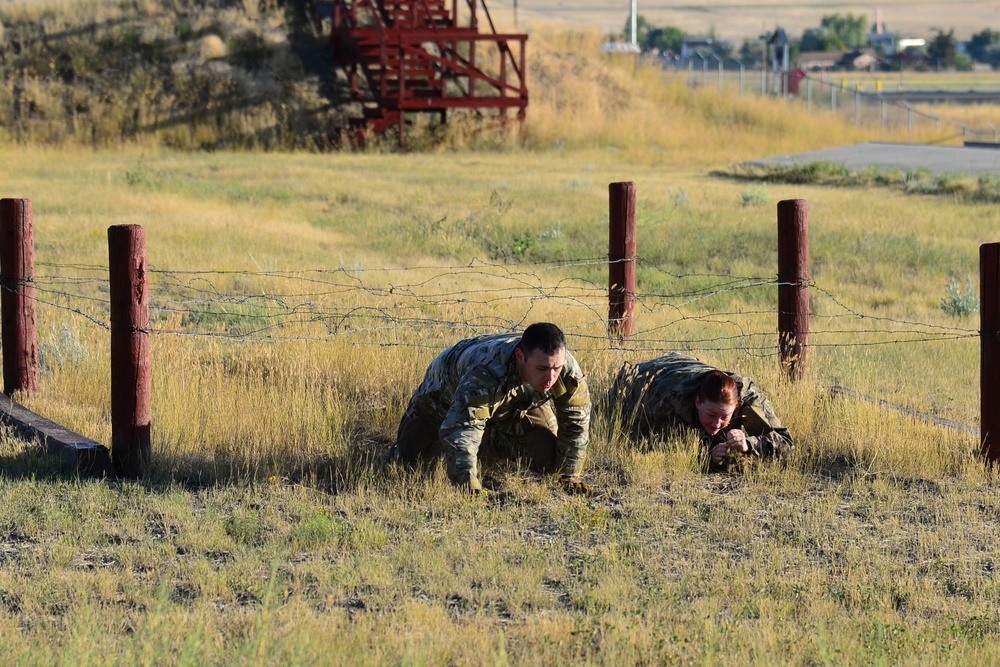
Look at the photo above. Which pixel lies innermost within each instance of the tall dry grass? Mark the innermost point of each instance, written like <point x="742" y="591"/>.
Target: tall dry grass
<point x="252" y="410"/>
<point x="584" y="99"/>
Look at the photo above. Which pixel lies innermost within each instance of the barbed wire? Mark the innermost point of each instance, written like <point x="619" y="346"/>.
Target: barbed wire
<point x="387" y="307"/>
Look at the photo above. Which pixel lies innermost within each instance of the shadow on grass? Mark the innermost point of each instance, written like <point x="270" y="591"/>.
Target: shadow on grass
<point x="361" y="461"/>
<point x="29" y="460"/>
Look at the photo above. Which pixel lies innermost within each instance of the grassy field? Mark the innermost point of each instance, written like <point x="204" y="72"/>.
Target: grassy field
<point x="272" y="532"/>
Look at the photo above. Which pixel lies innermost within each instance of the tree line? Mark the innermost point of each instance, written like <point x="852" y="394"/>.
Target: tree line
<point x="835" y="33"/>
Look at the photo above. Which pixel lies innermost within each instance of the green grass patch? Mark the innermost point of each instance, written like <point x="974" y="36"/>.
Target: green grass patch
<point x="982" y="189"/>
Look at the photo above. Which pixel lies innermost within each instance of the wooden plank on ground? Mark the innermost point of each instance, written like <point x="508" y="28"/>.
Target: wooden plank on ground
<point x="74" y="450"/>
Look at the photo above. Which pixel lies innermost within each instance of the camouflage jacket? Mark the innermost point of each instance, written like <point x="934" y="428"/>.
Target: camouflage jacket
<point x="659" y="395"/>
<point x="475" y="382"/>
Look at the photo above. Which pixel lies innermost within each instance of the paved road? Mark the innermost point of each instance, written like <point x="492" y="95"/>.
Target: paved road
<point x="957" y="160"/>
<point x="941" y="96"/>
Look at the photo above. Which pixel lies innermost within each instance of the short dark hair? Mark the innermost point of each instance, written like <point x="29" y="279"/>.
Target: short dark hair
<point x="542" y="336"/>
<point x="718" y="387"/>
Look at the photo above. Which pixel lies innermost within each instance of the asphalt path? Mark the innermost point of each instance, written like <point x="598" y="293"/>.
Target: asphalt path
<point x="954" y="160"/>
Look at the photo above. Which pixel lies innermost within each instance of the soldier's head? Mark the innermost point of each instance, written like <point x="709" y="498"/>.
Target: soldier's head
<point x="716" y="401"/>
<point x="540" y="355"/>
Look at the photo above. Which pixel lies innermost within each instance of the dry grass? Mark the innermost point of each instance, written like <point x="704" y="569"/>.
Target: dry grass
<point x="271" y="532"/>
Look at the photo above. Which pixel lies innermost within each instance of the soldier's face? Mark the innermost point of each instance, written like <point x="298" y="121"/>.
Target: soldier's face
<point x="538" y="369"/>
<point x="713" y="416"/>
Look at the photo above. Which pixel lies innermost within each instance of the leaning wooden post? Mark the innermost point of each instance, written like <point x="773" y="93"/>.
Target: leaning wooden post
<point x="793" y="286"/>
<point x="989" y="336"/>
<point x="130" y="375"/>
<point x="621" y="260"/>
<point x="17" y="299"/>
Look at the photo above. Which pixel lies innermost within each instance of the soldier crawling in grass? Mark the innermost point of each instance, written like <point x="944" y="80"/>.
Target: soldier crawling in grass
<point x="737" y="423"/>
<point x="501" y="396"/>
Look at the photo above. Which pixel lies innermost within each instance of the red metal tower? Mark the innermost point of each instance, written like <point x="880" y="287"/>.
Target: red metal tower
<point x="405" y="56"/>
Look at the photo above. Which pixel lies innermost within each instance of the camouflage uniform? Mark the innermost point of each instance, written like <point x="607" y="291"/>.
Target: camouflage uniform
<point x="472" y="395"/>
<point x="658" y="395"/>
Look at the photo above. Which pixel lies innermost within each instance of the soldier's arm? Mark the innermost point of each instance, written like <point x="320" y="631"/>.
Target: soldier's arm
<point x="461" y="432"/>
<point x="765" y="434"/>
<point x="572" y="408"/>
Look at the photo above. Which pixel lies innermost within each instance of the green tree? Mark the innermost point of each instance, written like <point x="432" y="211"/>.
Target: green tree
<point x="663" y="39"/>
<point x="642" y="28"/>
<point x="836" y="32"/>
<point x="963" y="63"/>
<point x="941" y="49"/>
<point x="984" y="46"/>
<point x="850" y="30"/>
<point x="651" y="37"/>
<point x="820" y="39"/>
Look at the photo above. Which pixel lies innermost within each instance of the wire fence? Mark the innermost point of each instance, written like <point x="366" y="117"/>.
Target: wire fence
<point x="402" y="305"/>
<point x="433" y="306"/>
<point x="882" y="101"/>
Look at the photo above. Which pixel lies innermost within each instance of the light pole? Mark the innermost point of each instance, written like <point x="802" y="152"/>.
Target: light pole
<point x="633" y="24"/>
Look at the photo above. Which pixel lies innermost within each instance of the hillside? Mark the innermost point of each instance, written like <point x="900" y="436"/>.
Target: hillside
<point x="184" y="74"/>
<point x="246" y="75"/>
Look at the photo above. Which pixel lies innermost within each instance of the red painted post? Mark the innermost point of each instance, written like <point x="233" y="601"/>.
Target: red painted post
<point x="17" y="299"/>
<point x="130" y="374"/>
<point x="989" y="336"/>
<point x="793" y="286"/>
<point x="621" y="260"/>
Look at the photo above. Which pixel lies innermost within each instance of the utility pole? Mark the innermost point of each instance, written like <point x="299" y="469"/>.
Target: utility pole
<point x="763" y="63"/>
<point x="632" y="23"/>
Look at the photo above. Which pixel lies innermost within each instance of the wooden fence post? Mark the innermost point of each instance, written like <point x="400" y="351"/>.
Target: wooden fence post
<point x="621" y="260"/>
<point x="17" y="299"/>
<point x="989" y="336"/>
<point x="130" y="371"/>
<point x="793" y="286"/>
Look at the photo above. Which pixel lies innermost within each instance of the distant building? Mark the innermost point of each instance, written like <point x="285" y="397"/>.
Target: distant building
<point x="913" y="43"/>
<point x="690" y="46"/>
<point x="619" y="47"/>
<point x="888" y="44"/>
<point x="882" y="42"/>
<point x="817" y="60"/>
<point x="858" y="60"/>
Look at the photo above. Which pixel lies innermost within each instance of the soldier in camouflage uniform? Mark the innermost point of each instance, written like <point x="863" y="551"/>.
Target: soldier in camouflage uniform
<point x="519" y="397"/>
<point x="677" y="391"/>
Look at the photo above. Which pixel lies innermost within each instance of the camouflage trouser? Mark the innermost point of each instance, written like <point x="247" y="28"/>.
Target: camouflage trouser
<point x="530" y="436"/>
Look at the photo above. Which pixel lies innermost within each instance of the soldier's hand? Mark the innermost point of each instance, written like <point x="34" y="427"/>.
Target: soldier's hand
<point x="575" y="486"/>
<point x="470" y="487"/>
<point x="736" y="441"/>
